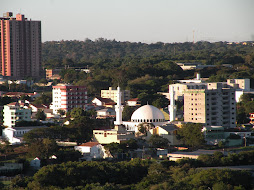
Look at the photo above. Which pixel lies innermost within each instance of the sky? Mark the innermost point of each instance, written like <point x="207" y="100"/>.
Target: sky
<point x="147" y="21"/>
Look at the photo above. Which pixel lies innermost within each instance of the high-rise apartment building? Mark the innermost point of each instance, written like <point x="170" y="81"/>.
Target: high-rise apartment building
<point x="67" y="97"/>
<point x="20" y="47"/>
<point x="212" y="104"/>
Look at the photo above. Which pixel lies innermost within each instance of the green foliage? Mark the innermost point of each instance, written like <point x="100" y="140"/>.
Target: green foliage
<point x="43" y="148"/>
<point x="5" y="100"/>
<point x="123" y="147"/>
<point x="127" y="113"/>
<point x="40" y="115"/>
<point x="20" y="182"/>
<point x="191" y="134"/>
<point x="157" y="141"/>
<point x="45" y="98"/>
<point x="72" y="174"/>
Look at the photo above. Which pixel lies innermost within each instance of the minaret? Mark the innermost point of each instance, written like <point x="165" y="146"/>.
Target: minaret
<point x="118" y="108"/>
<point x="172" y="106"/>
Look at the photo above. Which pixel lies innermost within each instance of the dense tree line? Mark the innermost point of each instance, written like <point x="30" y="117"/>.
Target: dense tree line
<point x="135" y="174"/>
<point x="144" y="69"/>
<point x="83" y="53"/>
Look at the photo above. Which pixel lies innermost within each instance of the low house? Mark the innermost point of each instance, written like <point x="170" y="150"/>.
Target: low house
<point x="133" y="102"/>
<point x="107" y="112"/>
<point x="91" y="150"/>
<point x="107" y="102"/>
<point x="15" y="134"/>
<point x="10" y="167"/>
<point x="19" y="94"/>
<point x="118" y="134"/>
<point x="213" y="134"/>
<point x="35" y="163"/>
<point x="168" y="131"/>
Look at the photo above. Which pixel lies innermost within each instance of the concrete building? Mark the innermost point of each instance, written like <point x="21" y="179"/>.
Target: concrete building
<point x="213" y="105"/>
<point x="168" y="131"/>
<point x="13" y="112"/>
<point x="15" y="134"/>
<point x="67" y="97"/>
<point x="91" y="150"/>
<point x="20" y="47"/>
<point x="106" y="112"/>
<point x="243" y="84"/>
<point x="112" y="94"/>
<point x="117" y="135"/>
<point x="52" y="74"/>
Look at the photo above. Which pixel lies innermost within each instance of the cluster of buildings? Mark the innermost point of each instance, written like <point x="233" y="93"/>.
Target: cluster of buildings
<point x="212" y="104"/>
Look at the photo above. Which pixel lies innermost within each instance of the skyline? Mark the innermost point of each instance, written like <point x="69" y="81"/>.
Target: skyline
<point x="139" y="21"/>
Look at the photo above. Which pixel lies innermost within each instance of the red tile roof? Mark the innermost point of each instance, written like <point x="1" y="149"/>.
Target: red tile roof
<point x="133" y="99"/>
<point x="90" y="144"/>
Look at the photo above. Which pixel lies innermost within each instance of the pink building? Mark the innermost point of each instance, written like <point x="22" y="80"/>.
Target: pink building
<point x="20" y="47"/>
<point x="67" y="97"/>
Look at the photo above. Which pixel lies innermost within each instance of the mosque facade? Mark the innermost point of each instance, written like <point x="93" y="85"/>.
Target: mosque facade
<point x="146" y="114"/>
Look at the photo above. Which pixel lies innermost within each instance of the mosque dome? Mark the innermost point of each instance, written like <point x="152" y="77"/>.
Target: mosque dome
<point x="147" y="113"/>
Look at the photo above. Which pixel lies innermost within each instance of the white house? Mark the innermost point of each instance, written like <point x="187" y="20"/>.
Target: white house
<point x="107" y="112"/>
<point x="14" y="134"/>
<point x="103" y="102"/>
<point x="13" y="112"/>
<point x="91" y="150"/>
<point x="133" y="102"/>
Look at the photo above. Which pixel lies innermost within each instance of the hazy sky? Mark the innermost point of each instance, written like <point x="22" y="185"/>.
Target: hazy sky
<point x="146" y="21"/>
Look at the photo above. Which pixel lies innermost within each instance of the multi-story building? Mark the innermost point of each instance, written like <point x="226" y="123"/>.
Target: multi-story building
<point x="67" y="97"/>
<point x="13" y="113"/>
<point x="212" y="104"/>
<point x="112" y="94"/>
<point x="20" y="47"/>
<point x="243" y="84"/>
<point x="52" y="74"/>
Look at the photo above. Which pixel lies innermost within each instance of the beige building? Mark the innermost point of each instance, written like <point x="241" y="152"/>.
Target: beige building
<point x="180" y="88"/>
<point x="213" y="105"/>
<point x="112" y="135"/>
<point x="243" y="84"/>
<point x="112" y="94"/>
<point x="168" y="131"/>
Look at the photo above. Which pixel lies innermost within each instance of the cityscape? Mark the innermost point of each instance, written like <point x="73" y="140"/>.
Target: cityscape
<point x="114" y="114"/>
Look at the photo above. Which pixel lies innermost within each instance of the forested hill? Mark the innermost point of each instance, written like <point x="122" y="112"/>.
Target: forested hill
<point x="82" y="53"/>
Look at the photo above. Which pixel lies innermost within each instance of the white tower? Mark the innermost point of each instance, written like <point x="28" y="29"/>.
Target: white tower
<point x="118" y="108"/>
<point x="172" y="106"/>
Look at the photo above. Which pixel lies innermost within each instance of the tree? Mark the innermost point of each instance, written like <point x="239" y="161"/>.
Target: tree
<point x="40" y="115"/>
<point x="43" y="148"/>
<point x="157" y="141"/>
<point x="160" y="102"/>
<point x="191" y="134"/>
<point x="77" y="112"/>
<point x="127" y="112"/>
<point x="61" y="112"/>
<point x="45" y="98"/>
<point x="81" y="129"/>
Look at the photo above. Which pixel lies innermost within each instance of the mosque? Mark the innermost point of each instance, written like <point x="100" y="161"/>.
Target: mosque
<point x="147" y="114"/>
